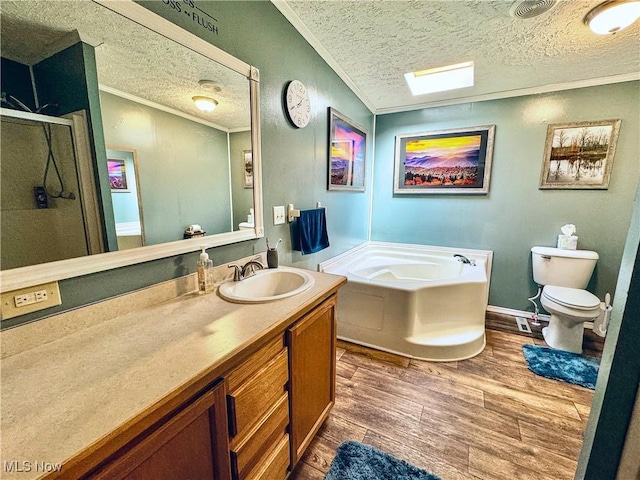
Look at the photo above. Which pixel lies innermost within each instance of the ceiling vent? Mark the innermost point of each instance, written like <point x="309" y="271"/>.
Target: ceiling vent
<point x="530" y="8"/>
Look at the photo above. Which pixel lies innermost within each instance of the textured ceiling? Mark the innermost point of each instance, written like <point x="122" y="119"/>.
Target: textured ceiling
<point x="372" y="44"/>
<point x="130" y="58"/>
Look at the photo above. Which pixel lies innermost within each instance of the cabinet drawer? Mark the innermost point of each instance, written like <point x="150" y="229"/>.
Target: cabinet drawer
<point x="268" y="431"/>
<point x="251" y="400"/>
<point x="275" y="464"/>
<point x="255" y="362"/>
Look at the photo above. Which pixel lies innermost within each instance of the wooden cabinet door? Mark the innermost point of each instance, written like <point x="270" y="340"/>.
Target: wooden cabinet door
<point x="312" y="371"/>
<point x="193" y="444"/>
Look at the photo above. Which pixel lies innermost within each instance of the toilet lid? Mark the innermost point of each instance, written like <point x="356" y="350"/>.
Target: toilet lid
<point x="571" y="297"/>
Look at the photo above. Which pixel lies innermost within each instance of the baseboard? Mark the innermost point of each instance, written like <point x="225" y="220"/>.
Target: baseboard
<point x="517" y="313"/>
<point x="528" y="315"/>
<point x="503" y="319"/>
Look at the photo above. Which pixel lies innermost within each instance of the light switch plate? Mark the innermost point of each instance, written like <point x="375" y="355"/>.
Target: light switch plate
<point x="30" y="299"/>
<point x="278" y="215"/>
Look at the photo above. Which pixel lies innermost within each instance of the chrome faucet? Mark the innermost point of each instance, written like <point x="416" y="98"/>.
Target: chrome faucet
<point x="247" y="270"/>
<point x="463" y="259"/>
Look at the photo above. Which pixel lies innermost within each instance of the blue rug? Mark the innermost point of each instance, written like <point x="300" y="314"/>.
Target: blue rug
<point x="560" y="365"/>
<point x="357" y="461"/>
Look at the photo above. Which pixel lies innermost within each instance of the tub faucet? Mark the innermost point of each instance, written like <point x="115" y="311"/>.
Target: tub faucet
<point x="463" y="259"/>
<point x="247" y="270"/>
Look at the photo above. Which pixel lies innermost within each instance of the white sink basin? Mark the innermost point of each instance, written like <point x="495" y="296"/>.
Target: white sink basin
<point x="266" y="286"/>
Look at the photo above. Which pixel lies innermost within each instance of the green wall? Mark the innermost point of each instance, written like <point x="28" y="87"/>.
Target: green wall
<point x="183" y="168"/>
<point x="516" y="215"/>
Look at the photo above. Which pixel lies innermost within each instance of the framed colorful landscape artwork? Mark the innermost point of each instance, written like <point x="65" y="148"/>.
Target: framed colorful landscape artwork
<point x="579" y="155"/>
<point x="444" y="161"/>
<point x="347" y="153"/>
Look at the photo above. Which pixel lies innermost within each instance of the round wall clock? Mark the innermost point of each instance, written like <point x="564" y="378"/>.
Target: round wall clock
<point x="298" y="104"/>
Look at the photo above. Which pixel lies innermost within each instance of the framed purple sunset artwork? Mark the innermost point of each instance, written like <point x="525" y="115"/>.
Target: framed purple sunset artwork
<point x="444" y="161"/>
<point x="117" y="175"/>
<point x="347" y="153"/>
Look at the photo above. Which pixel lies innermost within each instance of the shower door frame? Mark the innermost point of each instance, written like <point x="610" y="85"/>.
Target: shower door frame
<point x="91" y="213"/>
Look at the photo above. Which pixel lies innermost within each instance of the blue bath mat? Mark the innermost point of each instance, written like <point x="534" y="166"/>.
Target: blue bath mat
<point x="560" y="365"/>
<point x="357" y="461"/>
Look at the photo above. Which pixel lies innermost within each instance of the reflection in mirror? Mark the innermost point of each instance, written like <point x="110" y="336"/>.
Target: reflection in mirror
<point x="160" y="164"/>
<point x="34" y="153"/>
<point x="122" y="166"/>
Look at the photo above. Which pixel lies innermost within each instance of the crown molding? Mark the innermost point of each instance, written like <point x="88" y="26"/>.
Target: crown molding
<point x="520" y="92"/>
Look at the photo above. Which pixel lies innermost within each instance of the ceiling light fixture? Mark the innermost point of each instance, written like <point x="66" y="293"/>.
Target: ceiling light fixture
<point x="612" y="16"/>
<point x="440" y="79"/>
<point x="206" y="104"/>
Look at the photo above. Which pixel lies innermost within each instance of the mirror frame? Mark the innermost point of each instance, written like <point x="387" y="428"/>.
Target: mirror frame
<point x="16" y="278"/>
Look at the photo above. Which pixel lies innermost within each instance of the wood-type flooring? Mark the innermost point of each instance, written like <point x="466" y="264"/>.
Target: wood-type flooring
<point x="488" y="417"/>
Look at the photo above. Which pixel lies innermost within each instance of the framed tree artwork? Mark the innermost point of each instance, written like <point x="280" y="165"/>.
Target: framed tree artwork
<point x="579" y="155"/>
<point x="247" y="168"/>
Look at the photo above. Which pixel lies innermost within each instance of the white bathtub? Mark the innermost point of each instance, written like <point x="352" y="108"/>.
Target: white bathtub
<point x="413" y="300"/>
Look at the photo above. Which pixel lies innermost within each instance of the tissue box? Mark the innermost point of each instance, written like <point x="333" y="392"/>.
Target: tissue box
<point x="567" y="242"/>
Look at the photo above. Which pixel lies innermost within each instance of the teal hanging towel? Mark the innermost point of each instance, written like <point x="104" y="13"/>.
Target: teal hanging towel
<point x="309" y="231"/>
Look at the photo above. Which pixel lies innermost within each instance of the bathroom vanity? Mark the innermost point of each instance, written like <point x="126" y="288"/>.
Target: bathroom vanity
<point x="191" y="387"/>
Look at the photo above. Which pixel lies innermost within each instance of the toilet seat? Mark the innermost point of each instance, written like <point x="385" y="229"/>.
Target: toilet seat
<point x="571" y="297"/>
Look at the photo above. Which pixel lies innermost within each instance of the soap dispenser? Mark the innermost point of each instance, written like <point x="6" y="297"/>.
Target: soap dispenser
<point x="205" y="272"/>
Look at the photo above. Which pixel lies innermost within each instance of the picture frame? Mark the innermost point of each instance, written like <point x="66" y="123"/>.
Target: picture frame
<point x="451" y="161"/>
<point x="347" y="153"/>
<point x="247" y="168"/>
<point x="579" y="155"/>
<point x="118" y="180"/>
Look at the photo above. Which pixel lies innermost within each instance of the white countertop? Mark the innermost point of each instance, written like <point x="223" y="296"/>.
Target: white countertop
<point x="61" y="397"/>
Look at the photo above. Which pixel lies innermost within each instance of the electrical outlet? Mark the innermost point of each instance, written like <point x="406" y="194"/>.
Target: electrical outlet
<point x="523" y="325"/>
<point x="22" y="300"/>
<point x="41" y="296"/>
<point x="278" y="215"/>
<point x="30" y="299"/>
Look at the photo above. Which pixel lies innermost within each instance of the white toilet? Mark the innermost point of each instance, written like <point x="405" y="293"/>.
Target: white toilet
<point x="249" y="224"/>
<point x="565" y="274"/>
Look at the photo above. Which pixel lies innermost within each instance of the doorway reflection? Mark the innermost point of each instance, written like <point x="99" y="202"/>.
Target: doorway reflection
<point x="125" y="196"/>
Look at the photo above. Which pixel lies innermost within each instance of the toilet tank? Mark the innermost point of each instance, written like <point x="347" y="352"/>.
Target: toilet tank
<point x="564" y="268"/>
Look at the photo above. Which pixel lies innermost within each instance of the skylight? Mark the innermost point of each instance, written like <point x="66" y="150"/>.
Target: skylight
<point x="441" y="79"/>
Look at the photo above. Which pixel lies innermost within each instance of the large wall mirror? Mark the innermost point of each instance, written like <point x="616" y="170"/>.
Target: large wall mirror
<point x="106" y="159"/>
